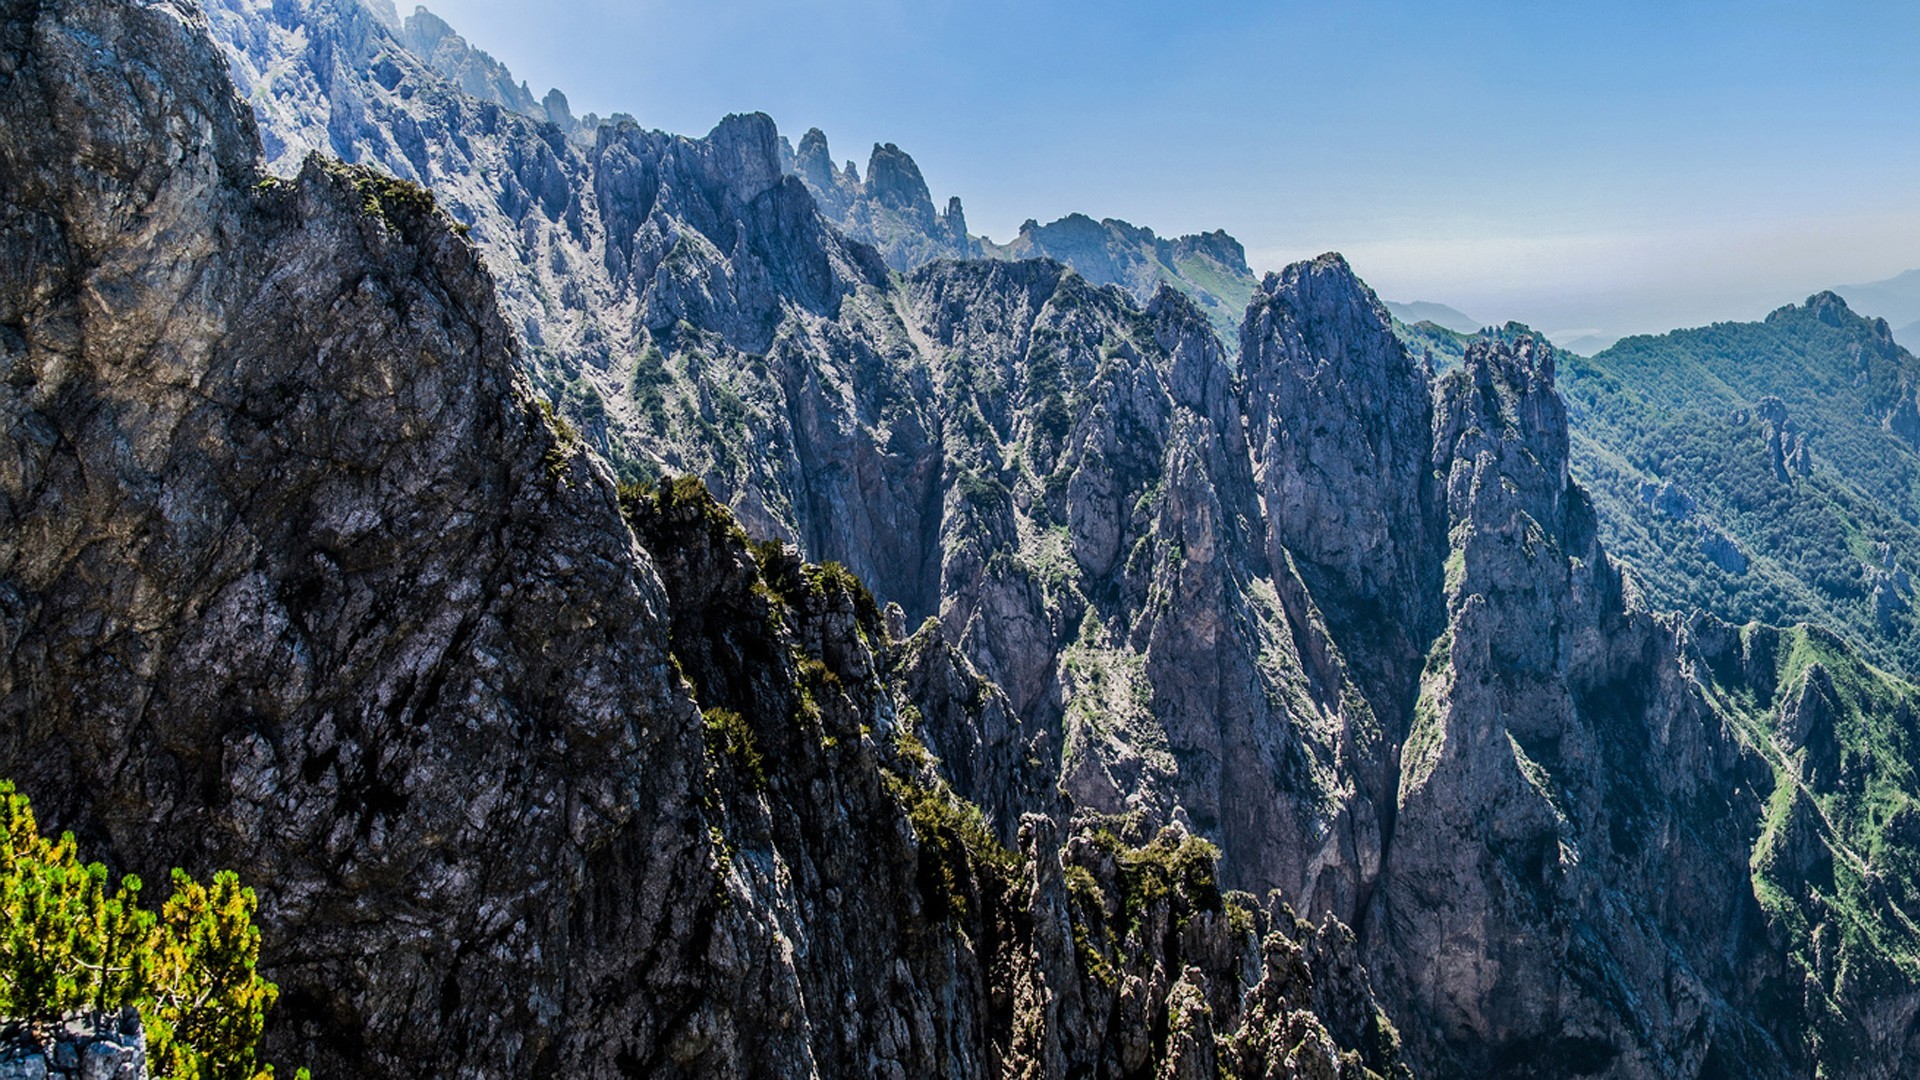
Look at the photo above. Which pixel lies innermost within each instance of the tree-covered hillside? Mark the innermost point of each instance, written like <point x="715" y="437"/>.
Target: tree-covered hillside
<point x="1761" y="470"/>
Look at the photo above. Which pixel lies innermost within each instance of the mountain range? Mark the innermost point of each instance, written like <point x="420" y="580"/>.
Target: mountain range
<point x="648" y="605"/>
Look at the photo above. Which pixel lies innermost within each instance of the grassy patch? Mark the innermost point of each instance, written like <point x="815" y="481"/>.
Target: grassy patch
<point x="729" y="738"/>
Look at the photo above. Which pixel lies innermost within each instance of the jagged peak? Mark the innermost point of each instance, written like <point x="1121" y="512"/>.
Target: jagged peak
<point x="955" y="217"/>
<point x="1527" y="361"/>
<point x="427" y="26"/>
<point x="1329" y="265"/>
<point x="1218" y="245"/>
<point x="755" y="125"/>
<point x="894" y="179"/>
<point x="1327" y="301"/>
<point x="1173" y="305"/>
<point x="813" y="161"/>
<point x="749" y="148"/>
<point x="1169" y="300"/>
<point x="558" y="110"/>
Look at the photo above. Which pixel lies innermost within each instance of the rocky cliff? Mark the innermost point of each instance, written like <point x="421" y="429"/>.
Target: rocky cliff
<point x="532" y="776"/>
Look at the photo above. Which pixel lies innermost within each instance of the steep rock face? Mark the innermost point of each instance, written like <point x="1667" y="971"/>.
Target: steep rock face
<point x="1594" y="803"/>
<point x="240" y="631"/>
<point x="1339" y="416"/>
<point x="533" y="779"/>
<point x="477" y="74"/>
<point x="893" y="210"/>
<point x="1102" y="559"/>
<point x="605" y="240"/>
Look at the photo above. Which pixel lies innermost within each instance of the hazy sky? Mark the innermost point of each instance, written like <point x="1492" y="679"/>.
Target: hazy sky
<point x="1623" y="166"/>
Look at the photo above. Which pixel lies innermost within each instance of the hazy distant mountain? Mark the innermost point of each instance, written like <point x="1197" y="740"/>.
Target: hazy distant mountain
<point x="1209" y="267"/>
<point x="1586" y="343"/>
<point x="1897" y="300"/>
<point x="1420" y="311"/>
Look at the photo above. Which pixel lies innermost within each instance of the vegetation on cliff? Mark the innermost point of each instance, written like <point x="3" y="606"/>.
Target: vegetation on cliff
<point x="71" y="941"/>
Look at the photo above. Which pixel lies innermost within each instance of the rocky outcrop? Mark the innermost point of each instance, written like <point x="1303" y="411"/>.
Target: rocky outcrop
<point x="1786" y="443"/>
<point x="88" y="1047"/>
<point x="892" y="209"/>
<point x="477" y="74"/>
<point x="1614" y="777"/>
<point x="240" y="632"/>
<point x="1340" y="418"/>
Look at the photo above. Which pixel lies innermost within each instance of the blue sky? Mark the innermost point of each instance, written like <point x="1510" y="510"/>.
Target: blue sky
<point x="1617" y="167"/>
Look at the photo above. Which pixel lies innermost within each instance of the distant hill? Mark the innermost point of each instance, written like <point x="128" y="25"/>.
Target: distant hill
<point x="1440" y="315"/>
<point x="1909" y="336"/>
<point x="1763" y="470"/>
<point x="1897" y="300"/>
<point x="1210" y="267"/>
<point x="1586" y="344"/>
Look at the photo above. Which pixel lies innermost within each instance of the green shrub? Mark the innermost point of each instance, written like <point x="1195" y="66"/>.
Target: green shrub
<point x="957" y="848"/>
<point x="730" y="737"/>
<point x="69" y="944"/>
<point x="651" y="379"/>
<point x="1173" y="867"/>
<point x="829" y="577"/>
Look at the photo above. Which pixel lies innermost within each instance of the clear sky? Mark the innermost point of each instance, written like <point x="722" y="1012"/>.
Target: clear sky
<point x="1619" y="167"/>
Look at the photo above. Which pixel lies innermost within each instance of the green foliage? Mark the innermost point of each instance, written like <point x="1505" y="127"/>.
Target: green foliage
<point x="69" y="944"/>
<point x="382" y="194"/>
<point x="983" y="490"/>
<point x="1836" y="862"/>
<point x="1668" y="437"/>
<point x="911" y="748"/>
<point x="210" y="1002"/>
<point x="1175" y="867"/>
<point x="730" y="738"/>
<point x="566" y="439"/>
<point x="673" y="496"/>
<point x="1241" y="908"/>
<point x="827" y="578"/>
<point x="956" y="847"/>
<point x="1047" y="393"/>
<point x="650" y="382"/>
<point x="1089" y="916"/>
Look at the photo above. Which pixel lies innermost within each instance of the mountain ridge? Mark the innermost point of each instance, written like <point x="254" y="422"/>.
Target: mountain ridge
<point x="533" y="774"/>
